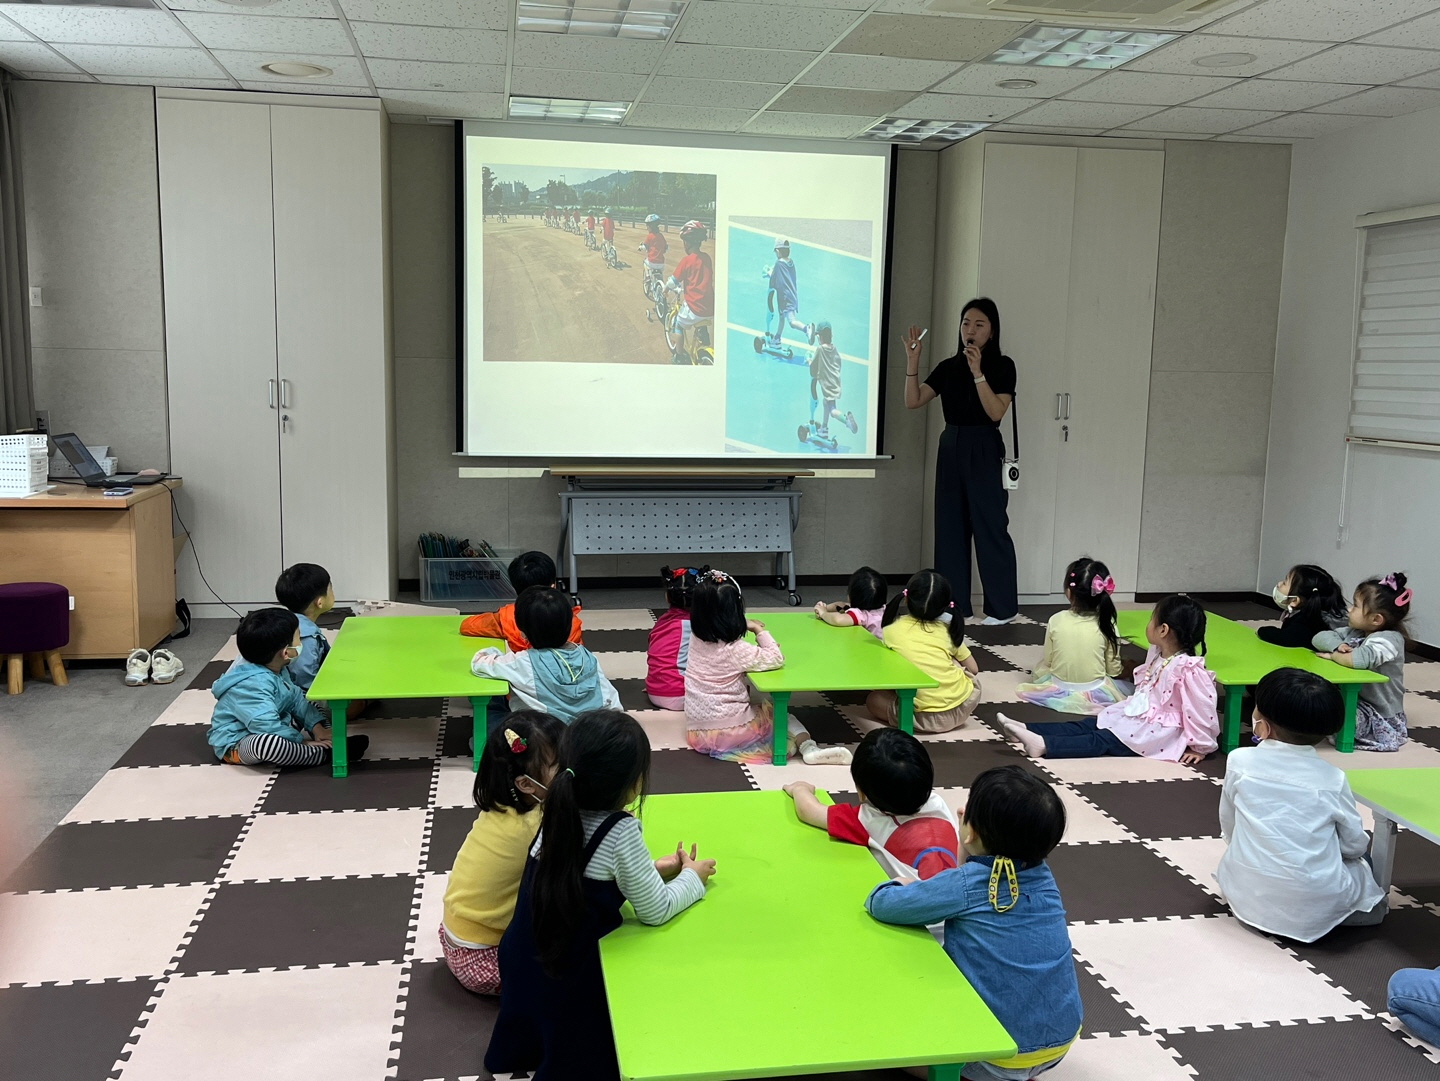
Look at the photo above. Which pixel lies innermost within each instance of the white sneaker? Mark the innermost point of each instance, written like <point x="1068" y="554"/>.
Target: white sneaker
<point x="991" y="621"/>
<point x="165" y="666"/>
<point x="137" y="668"/>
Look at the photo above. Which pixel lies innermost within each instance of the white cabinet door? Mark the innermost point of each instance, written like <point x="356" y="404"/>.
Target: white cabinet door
<point x="216" y="240"/>
<point x="331" y="331"/>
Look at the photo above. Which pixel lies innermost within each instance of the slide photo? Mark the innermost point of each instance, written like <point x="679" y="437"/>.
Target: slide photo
<point x="798" y="339"/>
<point x="567" y="264"/>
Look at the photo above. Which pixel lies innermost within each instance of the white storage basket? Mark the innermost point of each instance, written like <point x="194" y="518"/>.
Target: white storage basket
<point x="24" y="463"/>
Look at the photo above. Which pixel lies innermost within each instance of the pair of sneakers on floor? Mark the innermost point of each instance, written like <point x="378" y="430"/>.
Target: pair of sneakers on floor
<point x="144" y="666"/>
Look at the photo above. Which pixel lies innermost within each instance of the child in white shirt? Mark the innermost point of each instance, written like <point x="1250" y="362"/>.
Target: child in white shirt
<point x="1296" y="862"/>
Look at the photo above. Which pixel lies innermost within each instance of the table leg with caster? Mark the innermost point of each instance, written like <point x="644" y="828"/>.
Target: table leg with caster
<point x="339" y="757"/>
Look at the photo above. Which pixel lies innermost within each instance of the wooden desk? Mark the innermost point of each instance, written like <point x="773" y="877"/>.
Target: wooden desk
<point x="116" y="555"/>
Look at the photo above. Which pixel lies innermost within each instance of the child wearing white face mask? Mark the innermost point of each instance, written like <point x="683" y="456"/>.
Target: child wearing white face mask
<point x="1310" y="602"/>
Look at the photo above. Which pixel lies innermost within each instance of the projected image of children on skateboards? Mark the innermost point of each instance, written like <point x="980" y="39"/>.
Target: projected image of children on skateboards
<point x="798" y="363"/>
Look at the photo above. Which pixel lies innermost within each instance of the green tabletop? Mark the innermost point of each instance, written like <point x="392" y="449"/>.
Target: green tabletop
<point x="1399" y="797"/>
<point x="779" y="970"/>
<point x="402" y="657"/>
<point x="819" y="657"/>
<point x="1240" y="659"/>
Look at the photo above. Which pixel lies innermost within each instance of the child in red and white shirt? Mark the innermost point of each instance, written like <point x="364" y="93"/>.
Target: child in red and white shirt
<point x="694" y="280"/>
<point x="865" y="603"/>
<point x="912" y="831"/>
<point x="669" y="651"/>
<point x="655" y="246"/>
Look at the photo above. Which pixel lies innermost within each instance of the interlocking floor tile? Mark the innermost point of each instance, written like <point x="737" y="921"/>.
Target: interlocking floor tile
<point x="400" y="709"/>
<point x="1195" y="856"/>
<point x="616" y="619"/>
<point x="1422" y="676"/>
<point x="1124" y="880"/>
<point x="627" y="665"/>
<point x="1022" y="658"/>
<point x="447" y="1028"/>
<point x="771" y="778"/>
<point x="81" y="855"/>
<point x="432" y="912"/>
<point x="330" y="844"/>
<point x="1361" y="959"/>
<point x="1011" y="634"/>
<point x="206" y="677"/>
<point x="1121" y="1058"/>
<point x="171" y="745"/>
<point x="399" y="737"/>
<point x="1337" y="1049"/>
<point x="957" y="764"/>
<point x="1411" y="755"/>
<point x="687" y="771"/>
<point x="1422" y="711"/>
<point x="171" y="792"/>
<point x="1084" y="822"/>
<point x="189" y="707"/>
<point x="396" y="784"/>
<point x="599" y="641"/>
<point x="632" y="693"/>
<point x="1176" y="809"/>
<point x="68" y="1033"/>
<point x="456" y="787"/>
<point x="826" y="725"/>
<point x="1106" y="770"/>
<point x="1417" y="867"/>
<point x="449" y="826"/>
<point x="666" y="728"/>
<point x="1104" y="1012"/>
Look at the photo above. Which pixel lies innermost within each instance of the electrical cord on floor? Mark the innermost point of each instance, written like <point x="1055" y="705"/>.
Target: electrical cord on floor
<point x="194" y="551"/>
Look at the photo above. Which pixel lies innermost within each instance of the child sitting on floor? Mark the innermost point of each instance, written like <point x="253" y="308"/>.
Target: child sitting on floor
<point x="864" y="603"/>
<point x="669" y="645"/>
<point x="515" y="773"/>
<point x="1005" y="925"/>
<point x="1294" y="865"/>
<point x="1310" y="601"/>
<point x="306" y="589"/>
<point x="554" y="675"/>
<point x="1413" y="997"/>
<point x="911" y="830"/>
<point x="261" y="718"/>
<point x="915" y="629"/>
<point x="721" y="717"/>
<point x="526" y="570"/>
<point x="1082" y="651"/>
<point x="1375" y="640"/>
<point x="1171" y="715"/>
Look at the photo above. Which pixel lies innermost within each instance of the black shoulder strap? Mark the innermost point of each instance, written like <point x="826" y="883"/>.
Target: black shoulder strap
<point x="602" y="832"/>
<point x="1014" y="427"/>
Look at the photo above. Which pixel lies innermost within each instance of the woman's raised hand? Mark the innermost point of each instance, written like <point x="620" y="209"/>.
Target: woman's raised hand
<point x="912" y="344"/>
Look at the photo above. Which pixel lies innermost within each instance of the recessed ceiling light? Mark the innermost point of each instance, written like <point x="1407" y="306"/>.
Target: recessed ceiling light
<point x="645" y="20"/>
<point x="294" y="69"/>
<point x="1016" y="84"/>
<point x="1226" y="60"/>
<point x="572" y="110"/>
<point x="1077" y="47"/>
<point x="895" y="130"/>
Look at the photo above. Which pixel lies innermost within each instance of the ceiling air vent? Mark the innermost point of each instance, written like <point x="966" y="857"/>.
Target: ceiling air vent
<point x="1149" y="13"/>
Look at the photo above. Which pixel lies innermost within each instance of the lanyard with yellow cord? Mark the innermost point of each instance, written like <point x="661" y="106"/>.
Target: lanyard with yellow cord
<point x="1003" y="865"/>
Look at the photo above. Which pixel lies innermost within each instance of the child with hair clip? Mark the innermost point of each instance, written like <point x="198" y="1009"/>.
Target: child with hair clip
<point x="1082" y="651"/>
<point x="517" y="767"/>
<point x="1004" y="919"/>
<point x="669" y="647"/>
<point x="1375" y="639"/>
<point x="864" y="603"/>
<point x="1310" y="602"/>
<point x="1171" y="715"/>
<point x="589" y="859"/>
<point x="914" y="628"/>
<point x="724" y="719"/>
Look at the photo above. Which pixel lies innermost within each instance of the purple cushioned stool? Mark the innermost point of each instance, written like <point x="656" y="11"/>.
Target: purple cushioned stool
<point x="34" y="620"/>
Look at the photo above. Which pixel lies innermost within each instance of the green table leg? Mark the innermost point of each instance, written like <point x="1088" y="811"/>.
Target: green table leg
<point x="907" y="724"/>
<point x="946" y="1073"/>
<point x="339" y="762"/>
<point x="781" y="726"/>
<point x="1345" y="740"/>
<point x="1234" y="699"/>
<point x="481" y="734"/>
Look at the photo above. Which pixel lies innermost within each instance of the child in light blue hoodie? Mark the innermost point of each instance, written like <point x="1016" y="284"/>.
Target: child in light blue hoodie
<point x="261" y="718"/>
<point x="555" y="675"/>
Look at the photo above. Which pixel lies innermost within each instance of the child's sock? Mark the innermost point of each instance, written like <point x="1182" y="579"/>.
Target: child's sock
<point x="815" y="755"/>
<point x="1029" y="742"/>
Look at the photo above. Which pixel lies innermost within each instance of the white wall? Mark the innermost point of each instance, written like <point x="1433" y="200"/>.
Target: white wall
<point x="1394" y="511"/>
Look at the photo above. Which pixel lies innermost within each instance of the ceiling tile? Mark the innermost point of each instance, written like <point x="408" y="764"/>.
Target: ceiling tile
<point x="928" y="37"/>
<point x="472" y="14"/>
<point x="245" y="66"/>
<point x="10" y="32"/>
<point x="99" y="26"/>
<point x="313" y="9"/>
<point x="747" y="65"/>
<point x="589" y="54"/>
<point x="985" y="79"/>
<point x="1319" y="20"/>
<point x="310" y="89"/>
<point x="1084" y="114"/>
<point x="716" y="22"/>
<point x="825" y="99"/>
<point x="267" y="33"/>
<point x="430" y="43"/>
<point x="67" y="77"/>
<point x="1431" y="80"/>
<point x="1204" y="121"/>
<point x="876" y="72"/>
<point x="1135" y="133"/>
<point x="1305" y="125"/>
<point x="1362" y="64"/>
<point x="140" y="60"/>
<point x="1384" y="101"/>
<point x="1422" y="33"/>
<point x="837" y="5"/>
<point x="1040" y="129"/>
<point x="1271" y="139"/>
<point x="435" y="75"/>
<point x="31" y="56"/>
<point x="161" y="80"/>
<point x="686" y="118"/>
<point x="1275" y="94"/>
<point x="809" y="125"/>
<point x="964" y="107"/>
<point x="594" y="85"/>
<point x="1180" y="56"/>
<point x="1148" y="88"/>
<point x="665" y="90"/>
<point x="435" y="103"/>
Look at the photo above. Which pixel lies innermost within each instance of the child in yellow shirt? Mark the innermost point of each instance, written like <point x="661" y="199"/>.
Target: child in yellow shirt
<point x="913" y="628"/>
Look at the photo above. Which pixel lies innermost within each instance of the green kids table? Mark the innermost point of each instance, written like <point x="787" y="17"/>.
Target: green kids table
<point x="1239" y="660"/>
<point x="819" y="657"/>
<point x="780" y="970"/>
<point x="1399" y="797"/>
<point x="402" y="657"/>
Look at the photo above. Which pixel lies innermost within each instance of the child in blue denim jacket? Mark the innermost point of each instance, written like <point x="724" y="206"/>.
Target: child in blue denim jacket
<point x="1005" y="927"/>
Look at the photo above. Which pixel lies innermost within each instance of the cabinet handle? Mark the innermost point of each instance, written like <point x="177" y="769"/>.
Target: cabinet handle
<point x="272" y="392"/>
<point x="1057" y="407"/>
<point x="284" y="394"/>
<point x="1067" y="406"/>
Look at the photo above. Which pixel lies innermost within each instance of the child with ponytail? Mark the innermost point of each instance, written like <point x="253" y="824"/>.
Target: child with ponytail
<point x="1082" y="651"/>
<point x="913" y="628"/>
<point x="1375" y="640"/>
<point x="668" y="651"/>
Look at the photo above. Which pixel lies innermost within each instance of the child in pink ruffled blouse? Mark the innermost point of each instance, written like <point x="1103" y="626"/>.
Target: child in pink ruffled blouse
<point x="1171" y="715"/>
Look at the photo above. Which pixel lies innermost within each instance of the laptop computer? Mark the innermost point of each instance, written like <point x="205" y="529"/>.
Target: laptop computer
<point x="89" y="469"/>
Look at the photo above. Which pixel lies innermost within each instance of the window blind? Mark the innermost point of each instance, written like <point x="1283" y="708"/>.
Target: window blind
<point x="1396" y="391"/>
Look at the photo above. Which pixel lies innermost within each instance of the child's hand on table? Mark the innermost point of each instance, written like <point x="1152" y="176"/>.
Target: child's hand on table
<point x="702" y="868"/>
<point x="671" y="865"/>
<point x="754" y="626"/>
<point x="795" y="788"/>
<point x="1344" y="647"/>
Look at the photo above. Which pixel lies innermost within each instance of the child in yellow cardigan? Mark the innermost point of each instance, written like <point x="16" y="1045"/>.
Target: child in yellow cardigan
<point x="515" y="772"/>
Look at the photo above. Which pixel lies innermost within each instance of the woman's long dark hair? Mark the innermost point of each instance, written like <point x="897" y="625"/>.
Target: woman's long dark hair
<point x="991" y="349"/>
<point x="1080" y="581"/>
<point x="1320" y="598"/>
<point x="926" y="597"/>
<point x="603" y="757"/>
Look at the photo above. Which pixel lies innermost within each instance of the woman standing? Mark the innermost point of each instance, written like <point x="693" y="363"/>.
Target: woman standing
<point x="975" y="388"/>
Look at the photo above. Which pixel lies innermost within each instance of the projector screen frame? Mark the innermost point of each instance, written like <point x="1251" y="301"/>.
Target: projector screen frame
<point x="647" y="136"/>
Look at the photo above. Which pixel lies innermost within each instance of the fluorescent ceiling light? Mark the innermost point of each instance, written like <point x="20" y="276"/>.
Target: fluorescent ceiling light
<point x="646" y="20"/>
<point x="573" y="110"/>
<point x="1077" y="47"/>
<point x="895" y="130"/>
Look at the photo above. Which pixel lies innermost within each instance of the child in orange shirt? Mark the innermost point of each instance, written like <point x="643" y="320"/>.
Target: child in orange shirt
<point x="526" y="570"/>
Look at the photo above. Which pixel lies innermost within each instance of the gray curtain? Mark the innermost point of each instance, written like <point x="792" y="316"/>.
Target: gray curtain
<point x="17" y="393"/>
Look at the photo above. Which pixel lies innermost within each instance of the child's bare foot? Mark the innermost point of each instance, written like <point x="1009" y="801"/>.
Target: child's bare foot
<point x="1029" y="742"/>
<point x="815" y="755"/>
